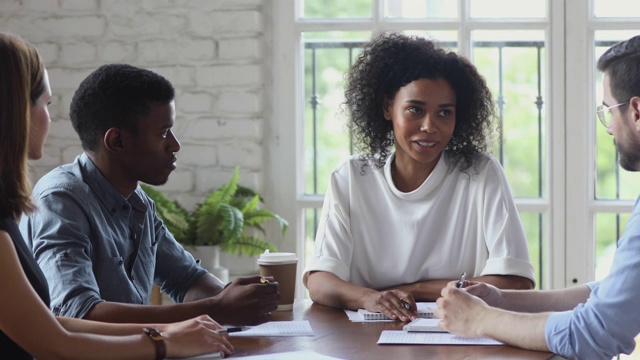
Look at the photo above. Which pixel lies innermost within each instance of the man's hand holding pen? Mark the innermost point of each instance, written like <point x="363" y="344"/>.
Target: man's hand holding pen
<point x="461" y="283"/>
<point x="249" y="300"/>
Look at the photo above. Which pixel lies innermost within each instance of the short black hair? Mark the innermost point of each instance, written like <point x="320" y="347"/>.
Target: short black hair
<point x="621" y="62"/>
<point x="115" y="95"/>
<point x="392" y="60"/>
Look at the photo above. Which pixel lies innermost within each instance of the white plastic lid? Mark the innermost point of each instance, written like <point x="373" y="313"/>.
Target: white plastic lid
<point x="269" y="258"/>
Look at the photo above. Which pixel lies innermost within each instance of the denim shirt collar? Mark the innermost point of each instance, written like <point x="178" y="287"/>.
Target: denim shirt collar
<point x="105" y="192"/>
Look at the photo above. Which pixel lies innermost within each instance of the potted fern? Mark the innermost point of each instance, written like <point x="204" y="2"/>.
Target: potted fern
<point x="229" y="219"/>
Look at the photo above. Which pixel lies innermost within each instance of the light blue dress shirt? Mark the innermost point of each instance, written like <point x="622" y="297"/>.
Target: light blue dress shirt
<point x="94" y="245"/>
<point x="607" y="323"/>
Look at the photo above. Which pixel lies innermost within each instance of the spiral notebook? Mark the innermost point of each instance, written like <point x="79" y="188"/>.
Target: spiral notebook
<point x="425" y="310"/>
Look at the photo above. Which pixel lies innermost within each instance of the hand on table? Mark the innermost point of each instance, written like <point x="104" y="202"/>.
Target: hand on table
<point x="393" y="304"/>
<point x="247" y="301"/>
<point x="461" y="312"/>
<point x="192" y="337"/>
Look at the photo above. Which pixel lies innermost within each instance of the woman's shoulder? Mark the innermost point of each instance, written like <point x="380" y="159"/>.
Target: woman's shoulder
<point x="485" y="160"/>
<point x="360" y="164"/>
<point x="479" y="163"/>
<point x="489" y="169"/>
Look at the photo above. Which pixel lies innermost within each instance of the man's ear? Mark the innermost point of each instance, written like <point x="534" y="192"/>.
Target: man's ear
<point x="113" y="140"/>
<point x="634" y="104"/>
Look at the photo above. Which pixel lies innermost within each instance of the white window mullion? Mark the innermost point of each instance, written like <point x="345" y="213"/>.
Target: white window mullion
<point x="283" y="129"/>
<point x="579" y="229"/>
<point x="377" y="15"/>
<point x="464" y="33"/>
<point x="556" y="174"/>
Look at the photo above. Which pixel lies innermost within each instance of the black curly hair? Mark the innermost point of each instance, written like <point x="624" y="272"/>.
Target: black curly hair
<point x="392" y="60"/>
<point x="115" y="95"/>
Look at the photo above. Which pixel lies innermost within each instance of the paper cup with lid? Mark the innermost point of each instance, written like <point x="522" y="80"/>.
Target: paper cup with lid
<point x="282" y="266"/>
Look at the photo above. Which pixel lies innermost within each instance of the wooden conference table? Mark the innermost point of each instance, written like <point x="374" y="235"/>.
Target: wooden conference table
<point x="336" y="336"/>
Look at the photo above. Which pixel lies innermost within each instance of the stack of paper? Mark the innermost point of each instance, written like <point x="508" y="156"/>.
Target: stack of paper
<point x="430" y="338"/>
<point x="278" y="328"/>
<point x="293" y="355"/>
<point x="272" y="328"/>
<point x="424" y="325"/>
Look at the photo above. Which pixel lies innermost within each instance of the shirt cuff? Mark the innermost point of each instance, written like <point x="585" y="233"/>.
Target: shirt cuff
<point x="593" y="285"/>
<point x="555" y="332"/>
<point x="79" y="307"/>
<point x="509" y="266"/>
<point x="329" y="265"/>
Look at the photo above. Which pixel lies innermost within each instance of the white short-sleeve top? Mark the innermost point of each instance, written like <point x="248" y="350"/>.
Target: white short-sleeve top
<point x="373" y="235"/>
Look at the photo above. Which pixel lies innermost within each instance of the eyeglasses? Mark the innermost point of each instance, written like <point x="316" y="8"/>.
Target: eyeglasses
<point x="604" y="113"/>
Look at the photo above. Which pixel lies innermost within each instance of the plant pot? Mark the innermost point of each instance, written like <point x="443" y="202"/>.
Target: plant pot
<point x="209" y="257"/>
<point x="239" y="265"/>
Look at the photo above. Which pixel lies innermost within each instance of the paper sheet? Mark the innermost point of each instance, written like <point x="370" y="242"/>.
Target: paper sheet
<point x="211" y="356"/>
<point x="424" y="325"/>
<point x="294" y="355"/>
<point x="278" y="328"/>
<point x="404" y="337"/>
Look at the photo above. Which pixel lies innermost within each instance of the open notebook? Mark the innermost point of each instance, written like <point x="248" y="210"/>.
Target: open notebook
<point x="425" y="310"/>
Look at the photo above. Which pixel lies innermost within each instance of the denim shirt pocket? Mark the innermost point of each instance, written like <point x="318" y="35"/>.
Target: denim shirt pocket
<point x="112" y="279"/>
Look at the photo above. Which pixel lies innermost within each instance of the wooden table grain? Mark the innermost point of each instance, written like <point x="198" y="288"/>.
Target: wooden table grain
<point x="336" y="336"/>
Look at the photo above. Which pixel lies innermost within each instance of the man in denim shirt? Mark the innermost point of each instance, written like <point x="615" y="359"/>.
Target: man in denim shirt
<point x="96" y="235"/>
<point x="594" y="321"/>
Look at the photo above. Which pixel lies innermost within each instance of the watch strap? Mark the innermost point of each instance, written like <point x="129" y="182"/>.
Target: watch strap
<point x="158" y="342"/>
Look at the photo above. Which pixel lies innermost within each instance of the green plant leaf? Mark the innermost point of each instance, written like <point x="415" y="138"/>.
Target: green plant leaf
<point x="250" y="205"/>
<point x="175" y="217"/>
<point x="255" y="218"/>
<point x="221" y="219"/>
<point x="245" y="192"/>
<point x="218" y="224"/>
<point x="248" y="245"/>
<point x="226" y="192"/>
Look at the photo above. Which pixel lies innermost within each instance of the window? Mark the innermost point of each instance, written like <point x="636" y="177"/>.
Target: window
<point x="541" y="69"/>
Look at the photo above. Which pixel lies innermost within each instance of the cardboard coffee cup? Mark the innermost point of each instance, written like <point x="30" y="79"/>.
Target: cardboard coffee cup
<point x="282" y="266"/>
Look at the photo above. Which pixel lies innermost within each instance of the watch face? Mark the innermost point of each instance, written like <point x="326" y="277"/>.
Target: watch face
<point x="154" y="334"/>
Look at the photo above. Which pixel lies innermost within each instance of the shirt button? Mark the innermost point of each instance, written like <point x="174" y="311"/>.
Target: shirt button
<point x="120" y="262"/>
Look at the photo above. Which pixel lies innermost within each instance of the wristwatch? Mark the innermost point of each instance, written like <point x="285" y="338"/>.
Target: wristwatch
<point x="158" y="342"/>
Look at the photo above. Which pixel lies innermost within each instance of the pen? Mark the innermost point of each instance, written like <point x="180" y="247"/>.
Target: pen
<point x="460" y="283"/>
<point x="230" y="329"/>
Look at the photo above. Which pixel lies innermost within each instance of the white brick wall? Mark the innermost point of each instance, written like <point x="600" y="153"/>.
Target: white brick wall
<point x="213" y="51"/>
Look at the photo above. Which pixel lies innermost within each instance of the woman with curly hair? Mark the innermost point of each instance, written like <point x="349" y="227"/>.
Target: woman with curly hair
<point x="426" y="201"/>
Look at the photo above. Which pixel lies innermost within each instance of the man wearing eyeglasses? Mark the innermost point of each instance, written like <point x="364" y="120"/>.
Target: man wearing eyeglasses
<point x="594" y="321"/>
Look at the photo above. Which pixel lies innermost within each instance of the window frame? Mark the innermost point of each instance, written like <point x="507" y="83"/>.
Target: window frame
<point x="568" y="206"/>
